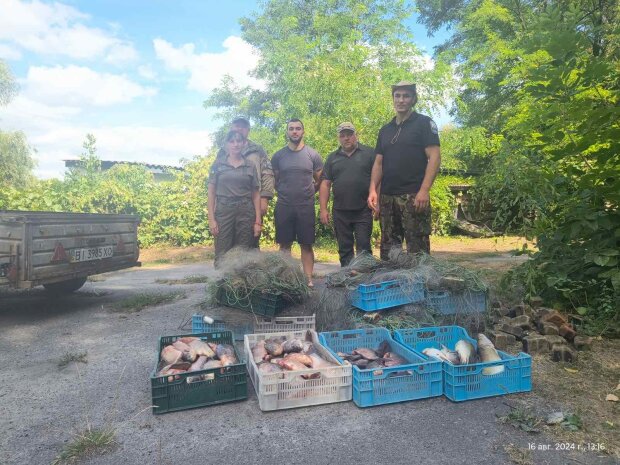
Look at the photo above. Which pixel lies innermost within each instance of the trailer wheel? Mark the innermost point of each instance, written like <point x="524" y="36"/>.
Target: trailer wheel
<point x="65" y="287"/>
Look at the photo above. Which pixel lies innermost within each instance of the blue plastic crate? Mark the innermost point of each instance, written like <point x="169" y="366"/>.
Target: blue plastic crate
<point x="387" y="294"/>
<point x="419" y="379"/>
<point x="449" y="303"/>
<point x="199" y="326"/>
<point x="466" y="382"/>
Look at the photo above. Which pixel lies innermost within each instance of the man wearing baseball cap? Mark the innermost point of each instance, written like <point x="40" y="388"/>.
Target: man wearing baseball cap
<point x="347" y="170"/>
<point x="407" y="162"/>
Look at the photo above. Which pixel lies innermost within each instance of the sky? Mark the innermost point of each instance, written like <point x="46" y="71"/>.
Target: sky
<point x="134" y="73"/>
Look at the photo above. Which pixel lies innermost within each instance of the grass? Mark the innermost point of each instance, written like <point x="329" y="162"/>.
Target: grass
<point x="69" y="357"/>
<point x="192" y="279"/>
<point x="86" y="444"/>
<point x="518" y="455"/>
<point x="522" y="419"/>
<point x="141" y="301"/>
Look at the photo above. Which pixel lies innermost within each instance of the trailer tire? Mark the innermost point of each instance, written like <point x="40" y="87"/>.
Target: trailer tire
<point x="65" y="287"/>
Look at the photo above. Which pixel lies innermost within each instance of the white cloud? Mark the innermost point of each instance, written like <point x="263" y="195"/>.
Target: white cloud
<point x="147" y="72"/>
<point x="207" y="69"/>
<point x="9" y="53"/>
<point x="57" y="29"/>
<point x="78" y="86"/>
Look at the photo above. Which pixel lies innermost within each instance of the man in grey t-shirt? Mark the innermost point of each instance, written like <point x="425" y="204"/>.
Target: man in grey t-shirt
<point x="297" y="169"/>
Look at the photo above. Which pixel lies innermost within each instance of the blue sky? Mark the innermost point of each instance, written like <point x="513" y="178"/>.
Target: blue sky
<point x="133" y="73"/>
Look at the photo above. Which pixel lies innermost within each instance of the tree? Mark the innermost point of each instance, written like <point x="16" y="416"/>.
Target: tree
<point x="544" y="76"/>
<point x="328" y="61"/>
<point x="16" y="163"/>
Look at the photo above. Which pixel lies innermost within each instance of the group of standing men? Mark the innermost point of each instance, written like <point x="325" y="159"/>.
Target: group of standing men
<point x="390" y="182"/>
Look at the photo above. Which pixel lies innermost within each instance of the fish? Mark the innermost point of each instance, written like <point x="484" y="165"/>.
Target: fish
<point x="291" y="365"/>
<point x="268" y="368"/>
<point x="320" y="362"/>
<point x="451" y="355"/>
<point x="308" y="347"/>
<point x="188" y="354"/>
<point x="212" y="364"/>
<point x="174" y="369"/>
<point x="293" y="345"/>
<point x="201" y="348"/>
<point x="188" y="339"/>
<point x="301" y="358"/>
<point x="466" y="351"/>
<point x="259" y="352"/>
<point x="368" y="354"/>
<point x="198" y="364"/>
<point x="171" y="355"/>
<point x="383" y="348"/>
<point x="274" y="348"/>
<point x="226" y="354"/>
<point x="378" y="363"/>
<point x="393" y="360"/>
<point x="488" y="353"/>
<point x="361" y="363"/>
<point x="436" y="353"/>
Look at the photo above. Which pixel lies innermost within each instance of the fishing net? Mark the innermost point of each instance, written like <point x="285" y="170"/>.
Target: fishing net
<point x="244" y="273"/>
<point x="334" y="310"/>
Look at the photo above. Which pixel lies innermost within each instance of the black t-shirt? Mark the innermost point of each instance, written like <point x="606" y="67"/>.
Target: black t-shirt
<point x="350" y="177"/>
<point x="403" y="149"/>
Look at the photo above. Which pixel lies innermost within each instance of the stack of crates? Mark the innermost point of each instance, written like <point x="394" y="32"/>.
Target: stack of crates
<point x="264" y="325"/>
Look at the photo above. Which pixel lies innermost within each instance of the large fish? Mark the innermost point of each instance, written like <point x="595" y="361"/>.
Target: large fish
<point x="367" y="353"/>
<point x="268" y="368"/>
<point x="274" y="348"/>
<point x="171" y="355"/>
<point x="188" y="354"/>
<point x="226" y="354"/>
<point x="301" y="358"/>
<point x="488" y="353"/>
<point x="383" y="348"/>
<point x="188" y="339"/>
<point x="451" y="355"/>
<point x="259" y="352"/>
<point x="201" y="348"/>
<point x="436" y="353"/>
<point x="466" y="351"/>
<point x="293" y="345"/>
<point x="291" y="365"/>
<point x="212" y="364"/>
<point x="198" y="364"/>
<point x="320" y="362"/>
<point x="391" y="360"/>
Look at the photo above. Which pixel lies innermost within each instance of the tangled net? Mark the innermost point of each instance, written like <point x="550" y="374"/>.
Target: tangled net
<point x="334" y="311"/>
<point x="244" y="273"/>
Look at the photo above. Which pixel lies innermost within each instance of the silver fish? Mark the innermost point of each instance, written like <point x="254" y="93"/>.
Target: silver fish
<point x="436" y="353"/>
<point x="466" y="351"/>
<point x="451" y="355"/>
<point x="488" y="353"/>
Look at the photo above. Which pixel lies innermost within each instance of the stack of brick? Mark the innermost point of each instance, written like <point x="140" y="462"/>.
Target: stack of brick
<point x="540" y="330"/>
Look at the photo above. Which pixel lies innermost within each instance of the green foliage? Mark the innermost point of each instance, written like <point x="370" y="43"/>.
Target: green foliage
<point x="544" y="79"/>
<point x="8" y="86"/>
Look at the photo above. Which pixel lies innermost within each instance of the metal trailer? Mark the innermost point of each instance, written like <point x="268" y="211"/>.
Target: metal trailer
<point x="60" y="250"/>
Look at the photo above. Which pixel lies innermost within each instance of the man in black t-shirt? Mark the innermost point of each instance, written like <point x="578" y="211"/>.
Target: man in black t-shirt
<point x="408" y="159"/>
<point x="348" y="170"/>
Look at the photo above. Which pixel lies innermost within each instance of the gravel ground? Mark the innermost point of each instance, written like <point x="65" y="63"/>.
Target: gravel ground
<point x="44" y="406"/>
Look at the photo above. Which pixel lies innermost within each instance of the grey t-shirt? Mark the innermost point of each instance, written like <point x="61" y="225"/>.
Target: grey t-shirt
<point x="233" y="182"/>
<point x="295" y="184"/>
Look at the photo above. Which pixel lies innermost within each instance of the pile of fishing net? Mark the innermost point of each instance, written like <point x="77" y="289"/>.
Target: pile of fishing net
<point x="333" y="307"/>
<point x="244" y="273"/>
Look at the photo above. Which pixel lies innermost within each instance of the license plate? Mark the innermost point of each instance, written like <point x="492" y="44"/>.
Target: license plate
<point x="92" y="253"/>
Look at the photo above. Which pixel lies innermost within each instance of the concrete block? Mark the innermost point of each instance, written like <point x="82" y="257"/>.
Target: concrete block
<point x="548" y="328"/>
<point x="567" y="332"/>
<point x="523" y="321"/>
<point x="535" y="345"/>
<point x="583" y="342"/>
<point x="563" y="353"/>
<point x="501" y="340"/>
<point x="555" y="318"/>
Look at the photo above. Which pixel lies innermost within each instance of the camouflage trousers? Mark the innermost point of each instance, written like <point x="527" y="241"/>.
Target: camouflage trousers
<point x="235" y="219"/>
<point x="400" y="222"/>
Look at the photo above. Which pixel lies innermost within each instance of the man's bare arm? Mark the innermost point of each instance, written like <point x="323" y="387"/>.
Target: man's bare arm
<point x="324" y="200"/>
<point x="375" y="183"/>
<point x="422" y="198"/>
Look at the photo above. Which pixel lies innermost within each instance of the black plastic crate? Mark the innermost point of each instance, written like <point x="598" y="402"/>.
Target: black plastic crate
<point x="259" y="303"/>
<point x="198" y="388"/>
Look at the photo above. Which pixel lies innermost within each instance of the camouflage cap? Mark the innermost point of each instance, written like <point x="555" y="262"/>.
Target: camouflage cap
<point x="346" y="126"/>
<point x="404" y="85"/>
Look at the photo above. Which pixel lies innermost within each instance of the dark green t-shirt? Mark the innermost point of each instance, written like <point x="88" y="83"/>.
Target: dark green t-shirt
<point x="233" y="182"/>
<point x="350" y="177"/>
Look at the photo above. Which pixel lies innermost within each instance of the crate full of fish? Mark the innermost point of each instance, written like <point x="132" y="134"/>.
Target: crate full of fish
<point x="384" y="371"/>
<point x="453" y="302"/>
<point x="196" y="370"/>
<point x="260" y="303"/>
<point x="292" y="369"/>
<point x="472" y="368"/>
<point x="387" y="294"/>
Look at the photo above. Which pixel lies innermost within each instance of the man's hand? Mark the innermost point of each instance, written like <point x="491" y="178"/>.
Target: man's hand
<point x="264" y="205"/>
<point x="257" y="229"/>
<point x="213" y="227"/>
<point x="324" y="215"/>
<point x="422" y="200"/>
<point x="372" y="202"/>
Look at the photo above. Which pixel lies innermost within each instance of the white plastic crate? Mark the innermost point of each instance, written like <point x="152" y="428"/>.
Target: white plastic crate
<point x="277" y="391"/>
<point x="281" y="324"/>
